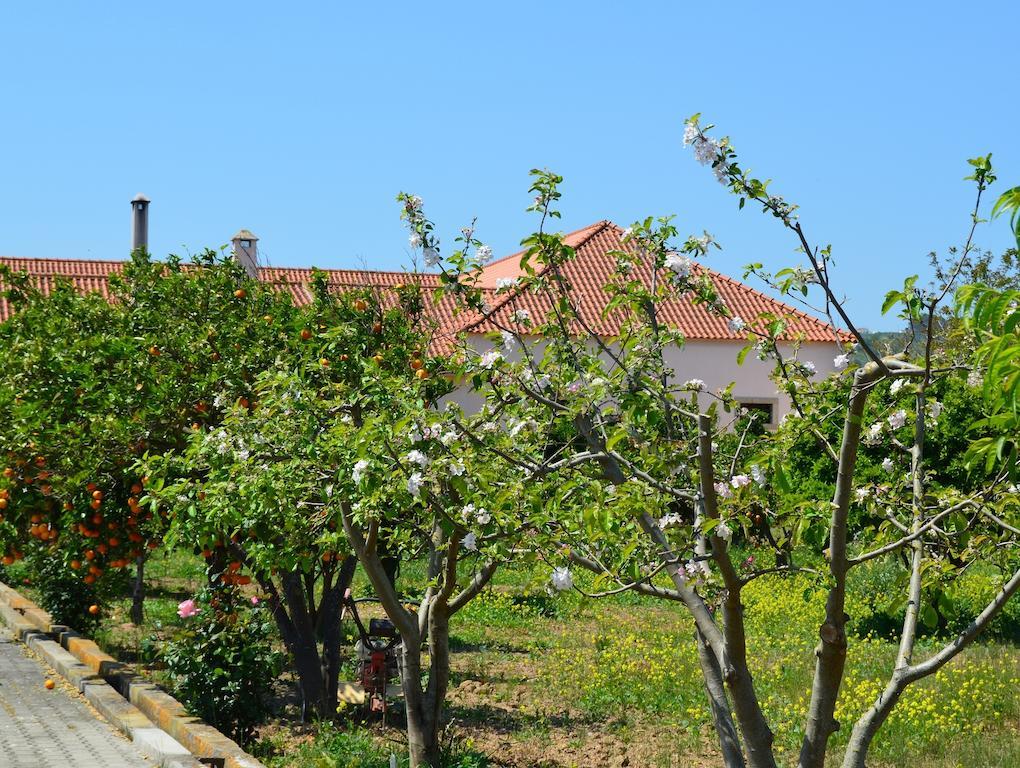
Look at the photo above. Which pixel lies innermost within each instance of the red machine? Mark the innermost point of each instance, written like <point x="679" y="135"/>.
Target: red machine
<point x="377" y="653"/>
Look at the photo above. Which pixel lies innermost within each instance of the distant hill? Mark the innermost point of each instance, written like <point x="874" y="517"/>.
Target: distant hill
<point x="883" y="342"/>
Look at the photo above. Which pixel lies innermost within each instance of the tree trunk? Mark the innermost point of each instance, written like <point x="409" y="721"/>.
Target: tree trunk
<point x="866" y="728"/>
<point x="722" y="717"/>
<point x="303" y="646"/>
<point x="138" y="592"/>
<point x="422" y="727"/>
<point x="830" y="654"/>
<point x="329" y="612"/>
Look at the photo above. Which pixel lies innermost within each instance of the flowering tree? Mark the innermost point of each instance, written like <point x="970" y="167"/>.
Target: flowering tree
<point x="657" y="477"/>
<point x="425" y="492"/>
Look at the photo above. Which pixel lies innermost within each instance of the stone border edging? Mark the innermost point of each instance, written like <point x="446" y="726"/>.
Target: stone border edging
<point x="156" y="722"/>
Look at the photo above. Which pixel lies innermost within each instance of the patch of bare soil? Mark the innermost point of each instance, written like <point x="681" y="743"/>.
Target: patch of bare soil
<point x="506" y="715"/>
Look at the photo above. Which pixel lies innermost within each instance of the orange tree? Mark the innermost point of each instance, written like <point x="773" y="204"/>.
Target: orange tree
<point x="89" y="385"/>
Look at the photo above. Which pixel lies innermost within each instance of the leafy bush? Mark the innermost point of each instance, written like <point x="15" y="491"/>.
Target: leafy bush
<point x="222" y="664"/>
<point x="63" y="593"/>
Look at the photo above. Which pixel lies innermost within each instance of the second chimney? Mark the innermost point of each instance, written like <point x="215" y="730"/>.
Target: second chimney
<point x="140" y="223"/>
<point x="246" y="252"/>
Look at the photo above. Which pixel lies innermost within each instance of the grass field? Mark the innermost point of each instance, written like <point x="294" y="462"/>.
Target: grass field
<point x="561" y="680"/>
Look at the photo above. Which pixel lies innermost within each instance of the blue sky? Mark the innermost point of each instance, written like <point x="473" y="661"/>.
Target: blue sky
<point x="301" y="122"/>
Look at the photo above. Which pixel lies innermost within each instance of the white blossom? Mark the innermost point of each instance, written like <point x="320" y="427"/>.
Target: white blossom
<point x="456" y="469"/>
<point x="671" y="519"/>
<point x="974" y="379"/>
<point x="509" y="341"/>
<point x="723" y="531"/>
<point x="862" y="493"/>
<point x="888" y="465"/>
<point x="483" y="516"/>
<point x="680" y="264"/>
<point x="694" y="384"/>
<point x="897" y="386"/>
<point x="874" y="432"/>
<point x="841" y="361"/>
<point x="521" y="316"/>
<point x="898" y="419"/>
<point x="935" y="410"/>
<point x="758" y="475"/>
<point x="736" y="324"/>
<point x="505" y="283"/>
<point x="418" y="457"/>
<point x="414" y="434"/>
<point x="561" y="579"/>
<point x="431" y="257"/>
<point x="470" y="543"/>
<point x="490" y="358"/>
<point x="691" y="133"/>
<point x="706" y="149"/>
<point x="414" y="240"/>
<point x="359" y="470"/>
<point x="739" y="481"/>
<point x="723" y="490"/>
<point x="626" y="233"/>
<point x="414" y="484"/>
<point x="449" y="438"/>
<point x="809" y="367"/>
<point x="484" y="253"/>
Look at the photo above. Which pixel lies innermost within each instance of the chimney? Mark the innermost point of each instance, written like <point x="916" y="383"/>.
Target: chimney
<point x="140" y="223"/>
<point x="246" y="252"/>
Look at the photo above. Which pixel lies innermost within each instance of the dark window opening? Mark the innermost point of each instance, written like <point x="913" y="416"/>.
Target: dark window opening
<point x="762" y="412"/>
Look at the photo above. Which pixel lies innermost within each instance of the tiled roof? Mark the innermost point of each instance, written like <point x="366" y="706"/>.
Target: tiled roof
<point x="86" y="275"/>
<point x="587" y="274"/>
<point x="592" y="268"/>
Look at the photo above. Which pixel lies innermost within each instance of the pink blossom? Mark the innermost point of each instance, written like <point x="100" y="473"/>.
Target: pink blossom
<point x="254" y="600"/>
<point x="187" y="609"/>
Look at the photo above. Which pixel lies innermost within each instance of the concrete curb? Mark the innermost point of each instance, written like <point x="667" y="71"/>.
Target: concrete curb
<point x="156" y="723"/>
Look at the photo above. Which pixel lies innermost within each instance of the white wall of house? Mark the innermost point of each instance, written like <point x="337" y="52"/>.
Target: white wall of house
<point x="714" y="362"/>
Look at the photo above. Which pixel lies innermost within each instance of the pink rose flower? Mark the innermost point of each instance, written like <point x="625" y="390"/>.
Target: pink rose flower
<point x="187" y="609"/>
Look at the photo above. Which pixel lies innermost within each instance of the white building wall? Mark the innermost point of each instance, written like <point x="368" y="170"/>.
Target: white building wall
<point x="714" y="362"/>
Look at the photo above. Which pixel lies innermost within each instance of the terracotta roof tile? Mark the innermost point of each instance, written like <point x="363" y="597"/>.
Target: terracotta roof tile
<point x="588" y="273"/>
<point x="592" y="268"/>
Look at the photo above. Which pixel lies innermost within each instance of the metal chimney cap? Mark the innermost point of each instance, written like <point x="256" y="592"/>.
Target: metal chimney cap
<point x="244" y="234"/>
<point x="140" y="198"/>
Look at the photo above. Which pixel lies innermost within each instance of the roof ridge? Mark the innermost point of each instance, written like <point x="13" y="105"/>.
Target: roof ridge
<point x="598" y="224"/>
<point x="359" y="271"/>
<point x="595" y="228"/>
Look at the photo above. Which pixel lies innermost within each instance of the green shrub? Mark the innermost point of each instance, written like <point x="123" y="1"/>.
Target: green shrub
<point x="63" y="593"/>
<point x="222" y="664"/>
